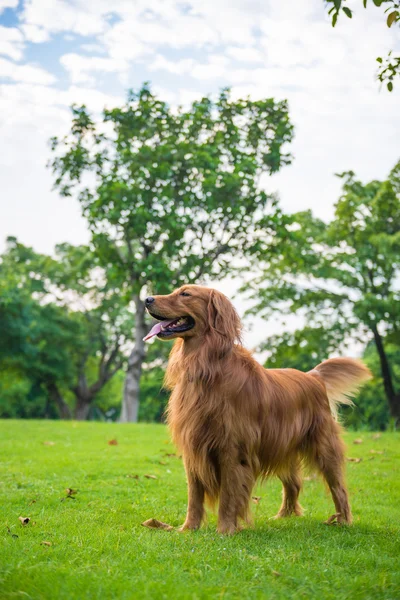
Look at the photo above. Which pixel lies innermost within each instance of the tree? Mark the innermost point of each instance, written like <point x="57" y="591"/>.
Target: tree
<point x="30" y="359"/>
<point x="341" y="277"/>
<point x="301" y="349"/>
<point x="390" y="67"/>
<point x="173" y="195"/>
<point x="105" y="321"/>
<point x="35" y="347"/>
<point x="58" y="317"/>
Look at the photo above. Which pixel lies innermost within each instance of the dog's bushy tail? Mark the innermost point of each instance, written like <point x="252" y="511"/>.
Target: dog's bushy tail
<point x="342" y="378"/>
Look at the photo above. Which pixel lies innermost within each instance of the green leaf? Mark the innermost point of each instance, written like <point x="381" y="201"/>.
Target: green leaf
<point x="390" y="86"/>
<point x="392" y="18"/>
<point x="377" y="2"/>
<point x="347" y="12"/>
<point x="379" y="60"/>
<point x="337" y="4"/>
<point x="334" y="20"/>
<point x="365" y="3"/>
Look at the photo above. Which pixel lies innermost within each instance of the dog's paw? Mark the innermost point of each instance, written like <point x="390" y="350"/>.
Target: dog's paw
<point x="338" y="519"/>
<point x="189" y="527"/>
<point x="228" y="529"/>
<point x="285" y="514"/>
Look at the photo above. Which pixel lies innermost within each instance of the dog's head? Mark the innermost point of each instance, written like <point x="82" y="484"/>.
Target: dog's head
<point x="191" y="311"/>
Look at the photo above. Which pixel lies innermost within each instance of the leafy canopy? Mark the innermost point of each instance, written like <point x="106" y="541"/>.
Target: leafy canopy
<point x="61" y="323"/>
<point x="170" y="195"/>
<point x="344" y="274"/>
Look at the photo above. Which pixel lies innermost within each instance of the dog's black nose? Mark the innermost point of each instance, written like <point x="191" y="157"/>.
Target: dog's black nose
<point x="149" y="300"/>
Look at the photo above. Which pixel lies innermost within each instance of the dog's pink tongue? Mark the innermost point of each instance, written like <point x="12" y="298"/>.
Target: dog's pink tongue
<point x="155" y="330"/>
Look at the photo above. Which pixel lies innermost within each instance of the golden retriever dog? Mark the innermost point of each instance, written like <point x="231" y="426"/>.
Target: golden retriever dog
<point x="234" y="421"/>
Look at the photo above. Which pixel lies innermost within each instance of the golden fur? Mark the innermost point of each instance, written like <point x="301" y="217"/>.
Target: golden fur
<point x="235" y="421"/>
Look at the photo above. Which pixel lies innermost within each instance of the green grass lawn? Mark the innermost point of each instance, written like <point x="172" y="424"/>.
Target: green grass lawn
<point x="100" y="550"/>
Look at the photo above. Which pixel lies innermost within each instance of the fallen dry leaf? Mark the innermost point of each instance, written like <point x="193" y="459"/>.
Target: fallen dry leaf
<point x="113" y="442"/>
<point x="48" y="443"/>
<point x="24" y="520"/>
<point x="162" y="462"/>
<point x="256" y="499"/>
<point x="355" y="460"/>
<point x="276" y="573"/>
<point x="133" y="476"/>
<point x="376" y="451"/>
<point x="154" y="524"/>
<point x="150" y="477"/>
<point x="171" y="454"/>
<point x="70" y="494"/>
<point x="310" y="477"/>
<point x="44" y="543"/>
<point x="358" y="441"/>
<point x="332" y="519"/>
<point x="376" y="436"/>
<point x="33" y="501"/>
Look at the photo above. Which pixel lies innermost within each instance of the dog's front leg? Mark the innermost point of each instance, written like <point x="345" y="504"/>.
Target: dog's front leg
<point x="195" y="509"/>
<point x="228" y="498"/>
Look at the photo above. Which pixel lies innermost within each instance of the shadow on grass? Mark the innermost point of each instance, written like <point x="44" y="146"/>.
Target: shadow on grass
<point x="295" y="531"/>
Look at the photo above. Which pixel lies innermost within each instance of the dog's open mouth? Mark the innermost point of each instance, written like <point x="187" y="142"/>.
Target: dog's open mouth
<point x="167" y="327"/>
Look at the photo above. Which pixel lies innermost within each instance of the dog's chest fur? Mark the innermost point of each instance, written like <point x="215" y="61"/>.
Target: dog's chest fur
<point x="196" y="419"/>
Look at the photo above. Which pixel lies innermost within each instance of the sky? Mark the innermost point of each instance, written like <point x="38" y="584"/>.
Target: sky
<point x="57" y="52"/>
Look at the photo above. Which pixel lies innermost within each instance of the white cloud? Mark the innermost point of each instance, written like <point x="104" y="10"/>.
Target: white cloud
<point x="245" y="54"/>
<point x="11" y="42"/>
<point x="93" y="99"/>
<point x="141" y="28"/>
<point x="54" y="16"/>
<point x="215" y="67"/>
<point x="178" y="67"/>
<point x="24" y="73"/>
<point x="36" y="34"/>
<point x="8" y="4"/>
<point x="93" y="48"/>
<point x="81" y="68"/>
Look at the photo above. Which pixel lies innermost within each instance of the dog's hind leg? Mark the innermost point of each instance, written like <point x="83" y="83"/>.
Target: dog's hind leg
<point x="291" y="481"/>
<point x="330" y="460"/>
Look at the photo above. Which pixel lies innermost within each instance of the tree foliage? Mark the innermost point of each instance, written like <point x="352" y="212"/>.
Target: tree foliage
<point x="389" y="67"/>
<point x="172" y="191"/>
<point x="55" y="318"/>
<point x="341" y="277"/>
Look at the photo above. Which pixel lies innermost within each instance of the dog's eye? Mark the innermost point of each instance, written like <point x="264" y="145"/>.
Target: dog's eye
<point x="185" y="294"/>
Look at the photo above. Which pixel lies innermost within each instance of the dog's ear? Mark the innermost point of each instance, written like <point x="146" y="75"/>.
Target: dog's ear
<point x="223" y="319"/>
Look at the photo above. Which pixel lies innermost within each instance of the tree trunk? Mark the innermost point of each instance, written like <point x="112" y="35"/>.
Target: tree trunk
<point x="82" y="408"/>
<point x="56" y="397"/>
<point x="392" y="397"/>
<point x="395" y="408"/>
<point x="130" y="404"/>
<point x="83" y="397"/>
